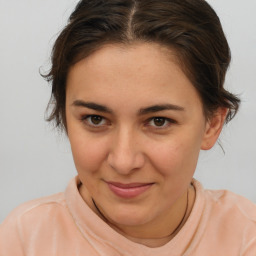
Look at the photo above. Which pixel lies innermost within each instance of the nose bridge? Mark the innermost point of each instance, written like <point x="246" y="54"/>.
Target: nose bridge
<point x="125" y="154"/>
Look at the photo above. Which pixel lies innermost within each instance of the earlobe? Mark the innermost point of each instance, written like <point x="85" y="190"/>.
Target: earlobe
<point x="213" y="128"/>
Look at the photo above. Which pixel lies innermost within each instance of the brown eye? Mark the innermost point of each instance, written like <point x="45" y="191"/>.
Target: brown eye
<point x="96" y="120"/>
<point x="159" y="121"/>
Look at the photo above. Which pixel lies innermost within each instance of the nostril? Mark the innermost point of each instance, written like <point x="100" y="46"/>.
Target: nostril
<point x="125" y="163"/>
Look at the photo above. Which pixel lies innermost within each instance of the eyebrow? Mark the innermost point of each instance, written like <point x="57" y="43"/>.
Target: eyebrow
<point x="161" y="107"/>
<point x="92" y="105"/>
<point x="142" y="111"/>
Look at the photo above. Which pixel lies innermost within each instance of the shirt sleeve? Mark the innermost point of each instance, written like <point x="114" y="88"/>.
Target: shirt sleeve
<point x="10" y="238"/>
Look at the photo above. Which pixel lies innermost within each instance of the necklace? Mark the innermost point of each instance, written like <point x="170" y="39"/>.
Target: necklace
<point x="176" y="230"/>
<point x="95" y="205"/>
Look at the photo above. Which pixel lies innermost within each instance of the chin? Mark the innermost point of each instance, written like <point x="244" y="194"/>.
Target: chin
<point x="128" y="221"/>
<point x="128" y="217"/>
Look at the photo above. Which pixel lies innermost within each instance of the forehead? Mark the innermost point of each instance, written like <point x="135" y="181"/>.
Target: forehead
<point x="142" y="73"/>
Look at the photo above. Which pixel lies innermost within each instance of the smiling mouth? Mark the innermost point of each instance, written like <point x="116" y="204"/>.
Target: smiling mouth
<point x="130" y="190"/>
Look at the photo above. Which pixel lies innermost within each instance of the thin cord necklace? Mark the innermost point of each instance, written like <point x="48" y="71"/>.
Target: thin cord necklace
<point x="183" y="218"/>
<point x="99" y="211"/>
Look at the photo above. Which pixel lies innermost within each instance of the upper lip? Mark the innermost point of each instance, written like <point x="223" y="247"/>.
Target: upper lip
<point x="129" y="185"/>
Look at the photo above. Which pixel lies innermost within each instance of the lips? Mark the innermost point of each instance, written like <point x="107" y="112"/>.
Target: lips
<point x="130" y="190"/>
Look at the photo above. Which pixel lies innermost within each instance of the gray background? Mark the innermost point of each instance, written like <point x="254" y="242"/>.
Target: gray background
<point x="35" y="160"/>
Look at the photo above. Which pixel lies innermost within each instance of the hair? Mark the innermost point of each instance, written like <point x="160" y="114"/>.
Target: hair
<point x="191" y="28"/>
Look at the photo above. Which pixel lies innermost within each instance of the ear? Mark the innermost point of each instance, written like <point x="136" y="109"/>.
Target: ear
<point x="213" y="128"/>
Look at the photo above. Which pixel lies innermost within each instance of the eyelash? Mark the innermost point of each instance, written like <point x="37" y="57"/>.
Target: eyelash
<point x="167" y="121"/>
<point x="87" y="121"/>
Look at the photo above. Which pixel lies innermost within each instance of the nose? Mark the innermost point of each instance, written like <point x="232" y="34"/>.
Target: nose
<point x="125" y="155"/>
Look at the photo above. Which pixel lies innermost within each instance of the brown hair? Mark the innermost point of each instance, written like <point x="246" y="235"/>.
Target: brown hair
<point x="190" y="27"/>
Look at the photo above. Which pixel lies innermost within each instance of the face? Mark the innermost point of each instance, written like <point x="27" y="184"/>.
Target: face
<point x="136" y="126"/>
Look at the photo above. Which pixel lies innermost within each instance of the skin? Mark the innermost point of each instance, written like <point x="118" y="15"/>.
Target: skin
<point x="124" y="142"/>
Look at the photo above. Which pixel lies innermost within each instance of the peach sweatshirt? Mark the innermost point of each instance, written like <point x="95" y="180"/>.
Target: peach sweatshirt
<point x="220" y="224"/>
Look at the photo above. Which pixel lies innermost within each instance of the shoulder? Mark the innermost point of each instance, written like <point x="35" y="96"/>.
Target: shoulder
<point x="24" y="222"/>
<point x="36" y="207"/>
<point x="235" y="216"/>
<point x="228" y="221"/>
<point x="224" y="202"/>
<point x="232" y="218"/>
<point x="48" y="209"/>
<point x="227" y="202"/>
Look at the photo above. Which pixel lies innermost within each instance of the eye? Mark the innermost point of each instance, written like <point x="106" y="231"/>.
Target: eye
<point x="94" y="120"/>
<point x="160" y="122"/>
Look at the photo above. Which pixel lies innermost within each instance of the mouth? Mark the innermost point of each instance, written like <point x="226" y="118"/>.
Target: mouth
<point x="130" y="190"/>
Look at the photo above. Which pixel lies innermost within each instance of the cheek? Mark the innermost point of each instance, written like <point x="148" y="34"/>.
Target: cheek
<point x="177" y="157"/>
<point x="88" y="153"/>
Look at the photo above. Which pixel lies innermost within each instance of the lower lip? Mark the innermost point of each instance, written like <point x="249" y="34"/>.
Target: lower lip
<point x="129" y="192"/>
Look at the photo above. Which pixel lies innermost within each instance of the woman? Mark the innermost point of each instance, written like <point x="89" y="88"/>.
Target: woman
<point x="138" y="88"/>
